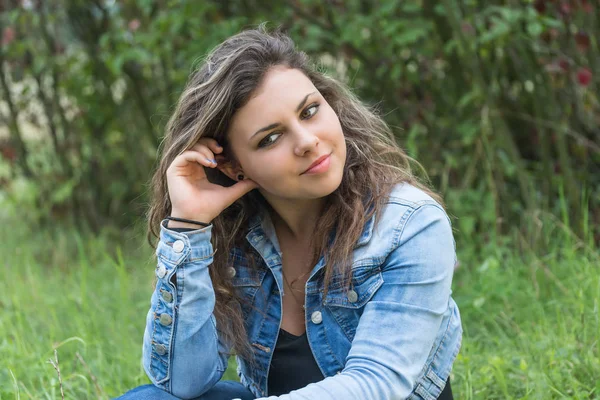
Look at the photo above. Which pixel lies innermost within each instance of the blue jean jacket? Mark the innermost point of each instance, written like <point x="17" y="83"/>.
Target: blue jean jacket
<point x="393" y="335"/>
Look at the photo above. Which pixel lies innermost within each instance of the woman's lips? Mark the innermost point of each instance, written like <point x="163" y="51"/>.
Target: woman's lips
<point x="321" y="165"/>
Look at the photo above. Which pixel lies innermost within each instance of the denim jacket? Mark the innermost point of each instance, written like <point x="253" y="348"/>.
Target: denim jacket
<point x="393" y="334"/>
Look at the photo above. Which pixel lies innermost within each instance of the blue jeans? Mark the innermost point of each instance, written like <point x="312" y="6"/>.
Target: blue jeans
<point x="223" y="390"/>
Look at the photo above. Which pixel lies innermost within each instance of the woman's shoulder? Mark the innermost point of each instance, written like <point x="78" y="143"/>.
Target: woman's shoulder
<point x="409" y="212"/>
<point x="409" y="195"/>
<point x="406" y="204"/>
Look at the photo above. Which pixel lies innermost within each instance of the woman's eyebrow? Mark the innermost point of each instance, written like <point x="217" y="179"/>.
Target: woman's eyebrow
<point x="271" y="126"/>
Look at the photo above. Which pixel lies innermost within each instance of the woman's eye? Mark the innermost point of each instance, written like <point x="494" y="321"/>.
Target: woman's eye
<point x="269" y="139"/>
<point x="310" y="111"/>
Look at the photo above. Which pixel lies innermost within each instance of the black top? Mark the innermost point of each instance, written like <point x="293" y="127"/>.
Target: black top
<point x="293" y="365"/>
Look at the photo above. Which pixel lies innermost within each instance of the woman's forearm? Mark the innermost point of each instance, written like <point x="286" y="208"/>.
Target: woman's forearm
<point x="182" y="353"/>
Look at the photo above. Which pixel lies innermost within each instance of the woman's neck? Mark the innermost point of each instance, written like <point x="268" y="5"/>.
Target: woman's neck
<point x="297" y="220"/>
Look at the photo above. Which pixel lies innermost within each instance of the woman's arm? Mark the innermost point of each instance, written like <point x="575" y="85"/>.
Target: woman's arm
<point x="398" y="327"/>
<point x="182" y="353"/>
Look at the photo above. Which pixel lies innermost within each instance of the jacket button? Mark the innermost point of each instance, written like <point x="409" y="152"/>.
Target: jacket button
<point x="161" y="271"/>
<point x="165" y="319"/>
<point x="316" y="317"/>
<point x="168" y="297"/>
<point x="231" y="272"/>
<point x="161" y="349"/>
<point x="178" y="246"/>
<point x="352" y="296"/>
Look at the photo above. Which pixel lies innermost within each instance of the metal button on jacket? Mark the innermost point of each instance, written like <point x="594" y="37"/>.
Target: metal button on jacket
<point x="161" y="271"/>
<point x="231" y="271"/>
<point x="316" y="317"/>
<point x="352" y="296"/>
<point x="161" y="349"/>
<point x="178" y="246"/>
<point x="168" y="297"/>
<point x="165" y="319"/>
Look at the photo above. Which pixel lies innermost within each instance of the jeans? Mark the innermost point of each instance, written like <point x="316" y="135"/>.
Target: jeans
<point x="223" y="390"/>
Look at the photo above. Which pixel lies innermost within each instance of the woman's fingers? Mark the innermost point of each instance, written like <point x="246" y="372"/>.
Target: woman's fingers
<point x="211" y="144"/>
<point x="191" y="156"/>
<point x="206" y="152"/>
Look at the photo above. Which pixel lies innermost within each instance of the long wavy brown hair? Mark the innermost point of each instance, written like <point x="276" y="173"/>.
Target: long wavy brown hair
<point x="223" y="83"/>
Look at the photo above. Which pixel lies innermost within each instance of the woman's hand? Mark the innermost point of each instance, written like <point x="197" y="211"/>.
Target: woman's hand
<point x="192" y="195"/>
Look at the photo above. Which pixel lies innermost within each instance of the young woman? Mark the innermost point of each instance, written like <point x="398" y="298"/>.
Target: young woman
<point x="293" y="234"/>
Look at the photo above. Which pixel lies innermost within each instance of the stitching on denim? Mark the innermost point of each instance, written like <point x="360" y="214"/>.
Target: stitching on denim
<point x="195" y="259"/>
<point x="154" y="369"/>
<point x="400" y="228"/>
<point x="338" y="318"/>
<point x="172" y="339"/>
<point x="262" y="323"/>
<point x="375" y="262"/>
<point x="172" y="263"/>
<point x="437" y="381"/>
<point x="204" y="257"/>
<point x="161" y="361"/>
<point x="442" y="343"/>
<point x="329" y="347"/>
<point x="405" y="218"/>
<point x="343" y="302"/>
<point x="409" y="203"/>
<point x="221" y="367"/>
<point x="420" y="390"/>
<point x="180" y="279"/>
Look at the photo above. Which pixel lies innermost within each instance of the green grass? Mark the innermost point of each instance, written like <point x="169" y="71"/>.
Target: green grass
<point x="531" y="321"/>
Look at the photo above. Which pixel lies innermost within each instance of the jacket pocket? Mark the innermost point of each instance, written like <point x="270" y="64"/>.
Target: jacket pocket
<point x="247" y="283"/>
<point x="346" y="303"/>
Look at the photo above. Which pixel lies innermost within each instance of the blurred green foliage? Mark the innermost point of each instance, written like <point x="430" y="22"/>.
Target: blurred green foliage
<point x="496" y="99"/>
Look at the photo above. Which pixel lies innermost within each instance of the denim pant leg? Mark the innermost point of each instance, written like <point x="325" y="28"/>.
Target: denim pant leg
<point x="223" y="390"/>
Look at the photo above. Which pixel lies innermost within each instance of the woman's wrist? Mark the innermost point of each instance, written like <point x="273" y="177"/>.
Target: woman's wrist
<point x="178" y="224"/>
<point x="176" y="220"/>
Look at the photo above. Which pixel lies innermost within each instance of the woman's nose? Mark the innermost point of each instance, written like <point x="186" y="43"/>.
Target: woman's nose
<point x="306" y="140"/>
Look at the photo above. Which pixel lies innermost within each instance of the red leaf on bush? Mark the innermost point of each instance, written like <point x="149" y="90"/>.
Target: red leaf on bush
<point x="467" y="28"/>
<point x="584" y="76"/>
<point x="134" y="25"/>
<point x="8" y="152"/>
<point x="583" y="41"/>
<point x="559" y="66"/>
<point x="563" y="63"/>
<point x="587" y="7"/>
<point x="551" y="34"/>
<point x="8" y="35"/>
<point x="564" y="8"/>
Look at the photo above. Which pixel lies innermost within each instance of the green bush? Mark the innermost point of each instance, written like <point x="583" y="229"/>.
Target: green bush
<point x="496" y="100"/>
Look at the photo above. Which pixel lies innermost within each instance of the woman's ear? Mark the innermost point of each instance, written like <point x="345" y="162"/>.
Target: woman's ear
<point x="230" y="168"/>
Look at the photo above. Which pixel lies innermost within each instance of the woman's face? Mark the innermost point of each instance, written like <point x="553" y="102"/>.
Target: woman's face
<point x="285" y="127"/>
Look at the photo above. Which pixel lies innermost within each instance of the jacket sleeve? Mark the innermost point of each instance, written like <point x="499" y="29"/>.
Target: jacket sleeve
<point x="182" y="353"/>
<point x="398" y="327"/>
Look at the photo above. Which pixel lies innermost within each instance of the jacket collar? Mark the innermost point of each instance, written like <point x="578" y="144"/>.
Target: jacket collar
<point x="261" y="235"/>
<point x="367" y="232"/>
<point x="261" y="227"/>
